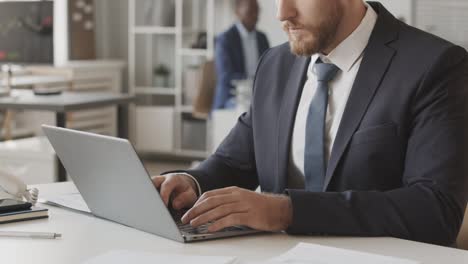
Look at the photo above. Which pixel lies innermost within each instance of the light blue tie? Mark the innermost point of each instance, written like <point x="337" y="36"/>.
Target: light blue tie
<point x="314" y="154"/>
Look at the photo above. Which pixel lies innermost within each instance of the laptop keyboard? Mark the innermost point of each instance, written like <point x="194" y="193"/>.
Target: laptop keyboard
<point x="203" y="229"/>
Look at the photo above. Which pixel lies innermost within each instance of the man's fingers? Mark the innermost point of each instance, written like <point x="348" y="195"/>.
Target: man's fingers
<point x="206" y="205"/>
<point x="168" y="187"/>
<point x="174" y="185"/>
<point x="158" y="180"/>
<point x="217" y="192"/>
<point x="228" y="221"/>
<point x="218" y="213"/>
<point x="184" y="200"/>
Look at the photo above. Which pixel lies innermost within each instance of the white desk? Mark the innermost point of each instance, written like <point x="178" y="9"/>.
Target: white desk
<point x="85" y="236"/>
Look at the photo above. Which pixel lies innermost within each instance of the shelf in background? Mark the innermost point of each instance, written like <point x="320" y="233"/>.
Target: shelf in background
<point x="186" y="30"/>
<point x="169" y="108"/>
<point x="192" y="153"/>
<point x="154" y="30"/>
<point x="18" y="133"/>
<point x="155" y="91"/>
<point x="181" y="153"/>
<point x="194" y="52"/>
<point x="186" y="109"/>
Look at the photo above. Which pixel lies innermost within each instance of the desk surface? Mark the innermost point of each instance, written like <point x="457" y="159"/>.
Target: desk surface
<point x="67" y="101"/>
<point x="85" y="236"/>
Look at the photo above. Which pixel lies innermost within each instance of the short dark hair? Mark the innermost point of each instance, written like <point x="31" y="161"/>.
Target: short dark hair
<point x="237" y="3"/>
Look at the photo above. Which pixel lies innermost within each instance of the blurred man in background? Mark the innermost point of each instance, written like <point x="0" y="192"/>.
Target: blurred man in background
<point x="237" y="52"/>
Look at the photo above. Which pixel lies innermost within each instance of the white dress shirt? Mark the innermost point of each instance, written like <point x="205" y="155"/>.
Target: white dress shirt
<point x="250" y="49"/>
<point x="347" y="56"/>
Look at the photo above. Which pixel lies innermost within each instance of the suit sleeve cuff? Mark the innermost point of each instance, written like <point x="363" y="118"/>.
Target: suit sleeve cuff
<point x="299" y="224"/>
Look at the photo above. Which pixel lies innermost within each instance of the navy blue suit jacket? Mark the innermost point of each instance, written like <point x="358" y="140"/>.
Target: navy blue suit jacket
<point x="399" y="163"/>
<point x="229" y="61"/>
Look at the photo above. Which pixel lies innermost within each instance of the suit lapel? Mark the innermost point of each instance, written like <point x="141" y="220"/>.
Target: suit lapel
<point x="377" y="58"/>
<point x="289" y="104"/>
<point x="239" y="48"/>
<point x="260" y="45"/>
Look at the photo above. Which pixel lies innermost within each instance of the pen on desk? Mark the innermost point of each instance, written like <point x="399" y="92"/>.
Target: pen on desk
<point x="42" y="235"/>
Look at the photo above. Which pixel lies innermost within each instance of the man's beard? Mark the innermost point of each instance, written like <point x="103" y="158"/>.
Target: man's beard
<point x="318" y="38"/>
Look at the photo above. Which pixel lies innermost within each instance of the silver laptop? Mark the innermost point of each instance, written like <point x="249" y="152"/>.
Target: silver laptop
<point x="116" y="186"/>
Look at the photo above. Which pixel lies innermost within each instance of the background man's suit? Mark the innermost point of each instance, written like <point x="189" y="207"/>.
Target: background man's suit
<point x="230" y="62"/>
<point x="398" y="166"/>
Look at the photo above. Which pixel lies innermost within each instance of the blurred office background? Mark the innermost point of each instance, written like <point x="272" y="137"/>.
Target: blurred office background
<point x="160" y="51"/>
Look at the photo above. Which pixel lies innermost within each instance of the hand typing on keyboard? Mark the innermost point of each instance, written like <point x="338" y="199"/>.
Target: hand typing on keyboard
<point x="234" y="206"/>
<point x="178" y="187"/>
<point x="224" y="208"/>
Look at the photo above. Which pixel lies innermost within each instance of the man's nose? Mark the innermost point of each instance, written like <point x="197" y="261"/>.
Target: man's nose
<point x="285" y="9"/>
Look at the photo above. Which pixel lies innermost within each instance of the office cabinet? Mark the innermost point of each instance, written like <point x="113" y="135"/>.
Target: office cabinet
<point x="155" y="129"/>
<point x="168" y="41"/>
<point x="84" y="76"/>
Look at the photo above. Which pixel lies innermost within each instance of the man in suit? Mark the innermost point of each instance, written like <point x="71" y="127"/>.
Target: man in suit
<point x="357" y="127"/>
<point x="237" y="52"/>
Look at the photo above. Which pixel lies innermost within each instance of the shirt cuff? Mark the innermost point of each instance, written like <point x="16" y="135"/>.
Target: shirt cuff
<point x="191" y="177"/>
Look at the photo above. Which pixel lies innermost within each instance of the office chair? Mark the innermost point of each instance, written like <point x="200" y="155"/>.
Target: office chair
<point x="462" y="239"/>
<point x="206" y="88"/>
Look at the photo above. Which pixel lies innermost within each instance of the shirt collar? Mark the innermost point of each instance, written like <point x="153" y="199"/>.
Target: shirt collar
<point x="348" y="52"/>
<point x="243" y="31"/>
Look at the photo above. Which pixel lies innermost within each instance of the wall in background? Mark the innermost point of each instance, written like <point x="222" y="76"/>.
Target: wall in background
<point x="224" y="15"/>
<point x="400" y="9"/>
<point x="269" y="24"/>
<point x="112" y="32"/>
<point x="112" y="29"/>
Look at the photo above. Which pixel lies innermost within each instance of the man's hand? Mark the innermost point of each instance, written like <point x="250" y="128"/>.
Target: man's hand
<point x="235" y="206"/>
<point x="181" y="188"/>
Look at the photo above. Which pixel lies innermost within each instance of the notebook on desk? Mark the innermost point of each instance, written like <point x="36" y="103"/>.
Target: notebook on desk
<point x="23" y="215"/>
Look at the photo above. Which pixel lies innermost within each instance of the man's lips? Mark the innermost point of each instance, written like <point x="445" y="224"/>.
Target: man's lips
<point x="295" y="30"/>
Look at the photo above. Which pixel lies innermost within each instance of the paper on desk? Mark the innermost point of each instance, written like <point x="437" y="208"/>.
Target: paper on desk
<point x="125" y="257"/>
<point x="315" y="254"/>
<point x="70" y="200"/>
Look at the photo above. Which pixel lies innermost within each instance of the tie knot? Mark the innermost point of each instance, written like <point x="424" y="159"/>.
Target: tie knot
<point x="325" y="71"/>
